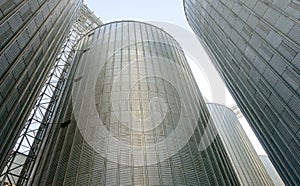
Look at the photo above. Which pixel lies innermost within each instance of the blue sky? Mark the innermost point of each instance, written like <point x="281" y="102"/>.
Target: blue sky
<point x="170" y="11"/>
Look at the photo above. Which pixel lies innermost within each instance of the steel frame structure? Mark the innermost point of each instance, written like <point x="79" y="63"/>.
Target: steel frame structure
<point x="23" y="158"/>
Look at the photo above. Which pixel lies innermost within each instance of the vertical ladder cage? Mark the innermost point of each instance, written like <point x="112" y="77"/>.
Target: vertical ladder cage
<point x="23" y="158"/>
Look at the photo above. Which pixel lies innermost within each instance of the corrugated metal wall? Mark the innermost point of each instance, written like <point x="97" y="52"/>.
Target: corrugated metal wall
<point x="31" y="33"/>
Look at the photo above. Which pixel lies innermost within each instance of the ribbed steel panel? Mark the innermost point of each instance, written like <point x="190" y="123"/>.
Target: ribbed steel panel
<point x="246" y="163"/>
<point x="264" y="35"/>
<point x="82" y="156"/>
<point x="18" y="37"/>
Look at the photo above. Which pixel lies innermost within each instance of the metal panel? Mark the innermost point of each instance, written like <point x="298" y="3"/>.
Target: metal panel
<point x="278" y="44"/>
<point x="12" y="52"/>
<point x="292" y="78"/>
<point x="33" y="5"/>
<point x="12" y="99"/>
<point x="25" y="12"/>
<point x="286" y="93"/>
<point x="6" y="6"/>
<point x="31" y="28"/>
<point x="15" y="21"/>
<point x="288" y="50"/>
<point x="4" y="65"/>
<point x="18" y="69"/>
<point x="23" y="39"/>
<point x="34" y="129"/>
<point x="5" y="34"/>
<point x="295" y="105"/>
<point x="6" y="85"/>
